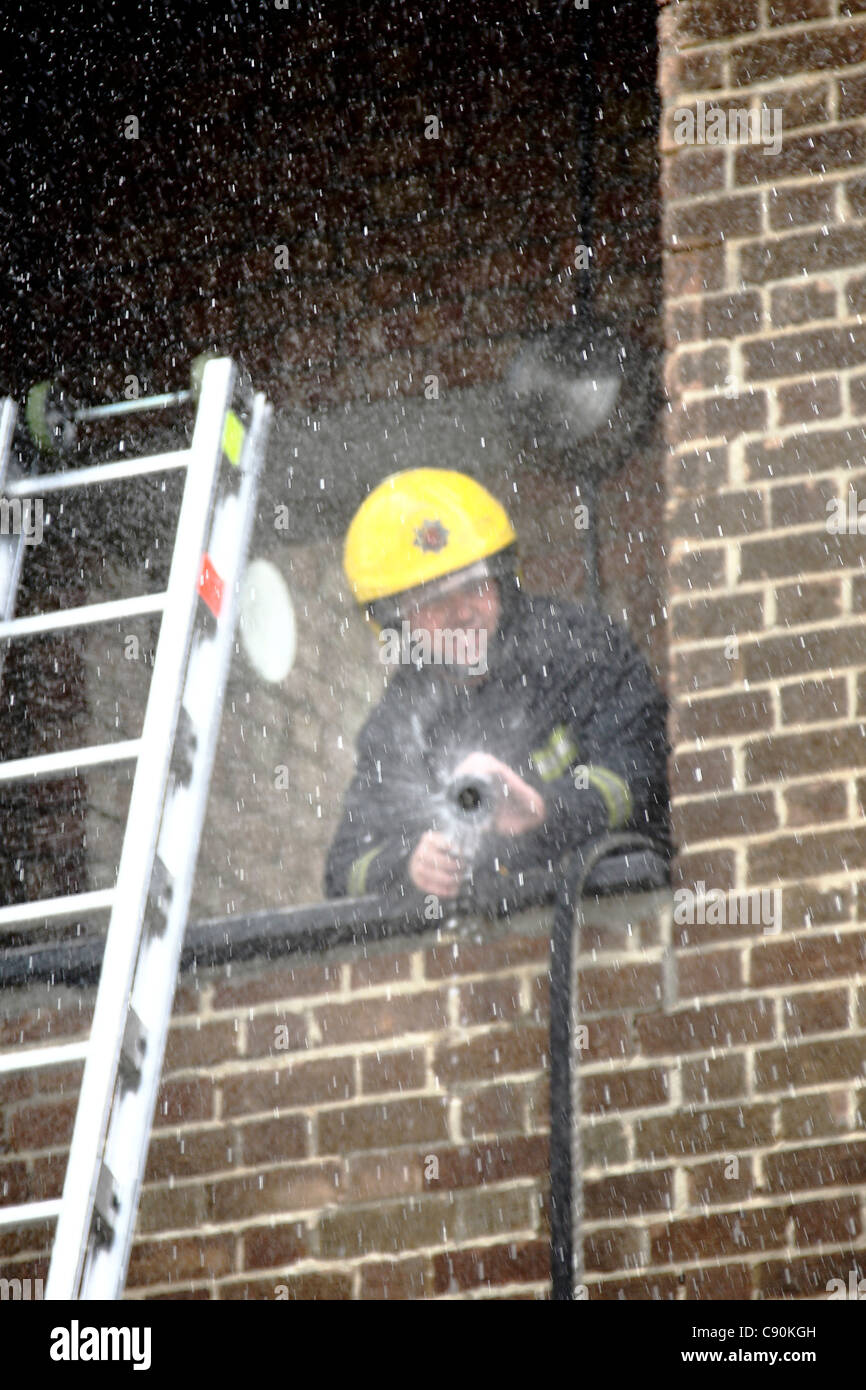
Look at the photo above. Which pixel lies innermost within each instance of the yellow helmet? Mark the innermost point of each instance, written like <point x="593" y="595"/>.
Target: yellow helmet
<point x="417" y="526"/>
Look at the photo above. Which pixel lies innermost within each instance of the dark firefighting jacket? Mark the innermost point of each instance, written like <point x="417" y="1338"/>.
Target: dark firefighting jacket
<point x="567" y="702"/>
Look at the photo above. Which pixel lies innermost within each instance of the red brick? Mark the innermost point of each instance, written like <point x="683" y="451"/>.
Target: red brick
<point x="177" y="1260"/>
<point x="495" y="1053"/>
<point x="784" y="856"/>
<point x="612" y="1249"/>
<point x="387" y="968"/>
<point x="245" y="986"/>
<point x="388" y="1228"/>
<point x="713" y="219"/>
<point x="811" y="1064"/>
<point x="716" y="316"/>
<point x="649" y="1287"/>
<point x="812" y="1116"/>
<point x="718" y="517"/>
<point x="815" y="49"/>
<point x="393" y="1071"/>
<point x="371" y="1019"/>
<point x="718" y="617"/>
<point x="309" y="1287"/>
<point x="375" y="1177"/>
<point x="819" y="1011"/>
<point x="396" y="1279"/>
<point x="207" y="1045"/>
<point x="728" y="1282"/>
<point x="698" y="271"/>
<point x="43" y="1126"/>
<point x="708" y="972"/>
<point x="808" y="401"/>
<point x="469" y="958"/>
<point x="804" y="905"/>
<point x="516" y="1263"/>
<point x="816" y="802"/>
<point x="189" y="1155"/>
<point x="707" y="770"/>
<point x="701" y="1029"/>
<point x="494" y="1110"/>
<point x="814" y="701"/>
<point x="718" y="818"/>
<point x="805" y="452"/>
<point x="720" y="1181"/>
<point x="714" y="1078"/>
<point x="819" y="1223"/>
<point x="605" y="988"/>
<point x="804" y="755"/>
<point x="275" y="1245"/>
<point x="184" y="1102"/>
<point x="475" y="1165"/>
<point x="262" y="1141"/>
<point x="488" y="1001"/>
<point x="794" y="304"/>
<point x="704" y="20"/>
<point x="628" y="1194"/>
<point x="733" y="1233"/>
<point x="275" y="1034"/>
<point x="815" y="350"/>
<point x="829" y="1165"/>
<point x="636" y="1088"/>
<point x="725" y="1129"/>
<point x="288" y="1188"/>
<point x="808" y="602"/>
<point x="290" y="1087"/>
<point x="385" y="1124"/>
<point x="800" y="1276"/>
<point x="700" y="71"/>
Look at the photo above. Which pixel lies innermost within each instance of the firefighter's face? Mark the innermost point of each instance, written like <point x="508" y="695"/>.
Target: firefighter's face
<point x="474" y="607"/>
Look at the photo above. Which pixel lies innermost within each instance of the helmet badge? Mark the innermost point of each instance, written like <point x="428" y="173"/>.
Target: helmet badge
<point x="432" y="535"/>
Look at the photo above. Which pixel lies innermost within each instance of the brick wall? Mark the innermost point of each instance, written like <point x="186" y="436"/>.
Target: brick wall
<point x="765" y="257"/>
<point x="307" y="1167"/>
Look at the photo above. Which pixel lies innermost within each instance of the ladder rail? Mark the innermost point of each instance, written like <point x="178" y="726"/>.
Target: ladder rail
<point x="140" y="963"/>
<point x="11" y="547"/>
<point x="124" y="1052"/>
<point x="127" y="1140"/>
<point x="139" y="846"/>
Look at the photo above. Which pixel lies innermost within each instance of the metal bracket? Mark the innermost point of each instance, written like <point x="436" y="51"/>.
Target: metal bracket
<point x="105" y="1207"/>
<point x="132" y="1049"/>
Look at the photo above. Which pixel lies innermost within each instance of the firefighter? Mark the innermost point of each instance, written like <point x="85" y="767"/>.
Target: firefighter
<point x="540" y="711"/>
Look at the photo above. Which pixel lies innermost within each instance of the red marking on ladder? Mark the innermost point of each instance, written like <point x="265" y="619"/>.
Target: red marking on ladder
<point x="210" y="585"/>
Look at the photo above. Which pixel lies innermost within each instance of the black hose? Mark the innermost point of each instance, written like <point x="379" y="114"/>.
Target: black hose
<point x="566" y="1167"/>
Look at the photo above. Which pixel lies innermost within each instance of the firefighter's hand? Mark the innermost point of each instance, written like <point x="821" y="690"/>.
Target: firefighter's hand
<point x="436" y="865"/>
<point x="520" y="807"/>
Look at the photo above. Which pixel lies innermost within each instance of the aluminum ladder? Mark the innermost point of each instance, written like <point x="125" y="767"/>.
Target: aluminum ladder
<point x="174" y="757"/>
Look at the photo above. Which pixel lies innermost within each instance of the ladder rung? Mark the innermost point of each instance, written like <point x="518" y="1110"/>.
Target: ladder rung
<point x="36" y="484"/>
<point x="44" y="764"/>
<point x="31" y="1058"/>
<point x="29" y="1213"/>
<point x="67" y="906"/>
<point x="79" y="617"/>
